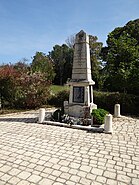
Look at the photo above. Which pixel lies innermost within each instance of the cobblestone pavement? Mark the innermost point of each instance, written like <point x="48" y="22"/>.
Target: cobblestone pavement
<point x="38" y="154"/>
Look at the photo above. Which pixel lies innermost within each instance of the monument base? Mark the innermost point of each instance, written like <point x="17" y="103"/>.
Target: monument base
<point x="79" y="111"/>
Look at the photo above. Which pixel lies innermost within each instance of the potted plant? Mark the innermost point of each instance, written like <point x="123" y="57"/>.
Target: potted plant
<point x="98" y="116"/>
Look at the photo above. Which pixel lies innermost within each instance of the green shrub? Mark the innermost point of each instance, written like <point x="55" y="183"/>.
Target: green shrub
<point x="98" y="116"/>
<point x="58" y="99"/>
<point x="106" y="100"/>
<point x="20" y="88"/>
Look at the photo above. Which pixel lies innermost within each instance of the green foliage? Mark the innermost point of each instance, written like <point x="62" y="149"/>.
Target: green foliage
<point x="58" y="99"/>
<point x="62" y="57"/>
<point x="129" y="103"/>
<point x="106" y="100"/>
<point x="96" y="63"/>
<point x="8" y="76"/>
<point x="20" y="88"/>
<point x="122" y="59"/>
<point x="98" y="116"/>
<point x="32" y="90"/>
<point x="57" y="88"/>
<point x="42" y="63"/>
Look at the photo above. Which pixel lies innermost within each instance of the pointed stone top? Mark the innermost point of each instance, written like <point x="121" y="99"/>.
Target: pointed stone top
<point x="81" y="32"/>
<point x="81" y="37"/>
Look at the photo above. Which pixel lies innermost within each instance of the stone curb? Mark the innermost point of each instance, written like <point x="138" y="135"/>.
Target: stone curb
<point x="88" y="128"/>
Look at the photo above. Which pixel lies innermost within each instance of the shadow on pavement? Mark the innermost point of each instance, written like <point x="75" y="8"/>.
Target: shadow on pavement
<point x="25" y="120"/>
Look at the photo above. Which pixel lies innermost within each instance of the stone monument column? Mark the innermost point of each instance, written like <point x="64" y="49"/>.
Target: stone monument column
<point x="81" y="84"/>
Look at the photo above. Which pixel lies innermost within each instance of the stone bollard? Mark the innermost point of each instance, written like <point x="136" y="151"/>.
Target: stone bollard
<point x="66" y="103"/>
<point x="108" y="124"/>
<point x="91" y="121"/>
<point x="66" y="107"/>
<point x="117" y="110"/>
<point x="41" y="115"/>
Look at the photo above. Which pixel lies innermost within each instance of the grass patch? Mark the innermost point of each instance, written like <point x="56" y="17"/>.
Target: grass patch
<point x="57" y="88"/>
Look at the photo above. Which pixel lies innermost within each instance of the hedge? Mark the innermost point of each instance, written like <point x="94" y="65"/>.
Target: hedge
<point x="105" y="100"/>
<point x="129" y="103"/>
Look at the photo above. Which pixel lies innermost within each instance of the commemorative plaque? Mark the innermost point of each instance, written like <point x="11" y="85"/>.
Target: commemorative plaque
<point x="78" y="94"/>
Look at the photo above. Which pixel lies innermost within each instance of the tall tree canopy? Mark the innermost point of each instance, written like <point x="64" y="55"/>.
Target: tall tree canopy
<point x="42" y="63"/>
<point x="122" y="58"/>
<point x="95" y="49"/>
<point x="62" y="57"/>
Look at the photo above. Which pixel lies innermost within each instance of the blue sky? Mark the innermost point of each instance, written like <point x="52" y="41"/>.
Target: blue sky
<point x="27" y="26"/>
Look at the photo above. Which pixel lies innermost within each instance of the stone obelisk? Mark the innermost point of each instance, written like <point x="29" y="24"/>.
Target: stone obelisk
<point x="81" y="84"/>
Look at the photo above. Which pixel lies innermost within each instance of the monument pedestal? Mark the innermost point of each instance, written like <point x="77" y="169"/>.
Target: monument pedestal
<point x="80" y="100"/>
<point x="81" y="84"/>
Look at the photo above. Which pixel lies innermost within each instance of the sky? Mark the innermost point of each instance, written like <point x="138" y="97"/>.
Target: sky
<point x="28" y="26"/>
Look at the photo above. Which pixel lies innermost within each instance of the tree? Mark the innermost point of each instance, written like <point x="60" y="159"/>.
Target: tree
<point x="96" y="64"/>
<point x="32" y="90"/>
<point x="20" y="87"/>
<point x="43" y="64"/>
<point x="62" y="57"/>
<point x="95" y="49"/>
<point x="70" y="41"/>
<point x="122" y="58"/>
<point x="22" y="66"/>
<point x="8" y="76"/>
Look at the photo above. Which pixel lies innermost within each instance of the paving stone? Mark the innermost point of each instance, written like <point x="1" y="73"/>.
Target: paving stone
<point x="56" y="173"/>
<point x="64" y="169"/>
<point x="14" y="171"/>
<point x="131" y="166"/>
<point x="70" y="183"/>
<point x="101" y="179"/>
<point x="44" y="175"/>
<point x="128" y="170"/>
<point x="39" y="168"/>
<point x="85" y="181"/>
<point x="135" y="181"/>
<point x="82" y="174"/>
<point x="34" y="178"/>
<point x="97" y="171"/>
<point x="124" y="178"/>
<point x="109" y="174"/>
<point x="73" y="171"/>
<point x="1" y="174"/>
<point x="75" y="178"/>
<point x="46" y="181"/>
<point x="47" y="170"/>
<point x="91" y="176"/>
<point x="64" y="163"/>
<point x="95" y="183"/>
<point x="112" y="182"/>
<point x="52" y="177"/>
<point x="61" y="180"/>
<point x="57" y="183"/>
<point x="54" y="160"/>
<point x="14" y="180"/>
<point x="65" y="176"/>
<point x="5" y="168"/>
<point x="32" y="153"/>
<point x="23" y="182"/>
<point x="24" y="175"/>
<point x="6" y="177"/>
<point x="74" y="165"/>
